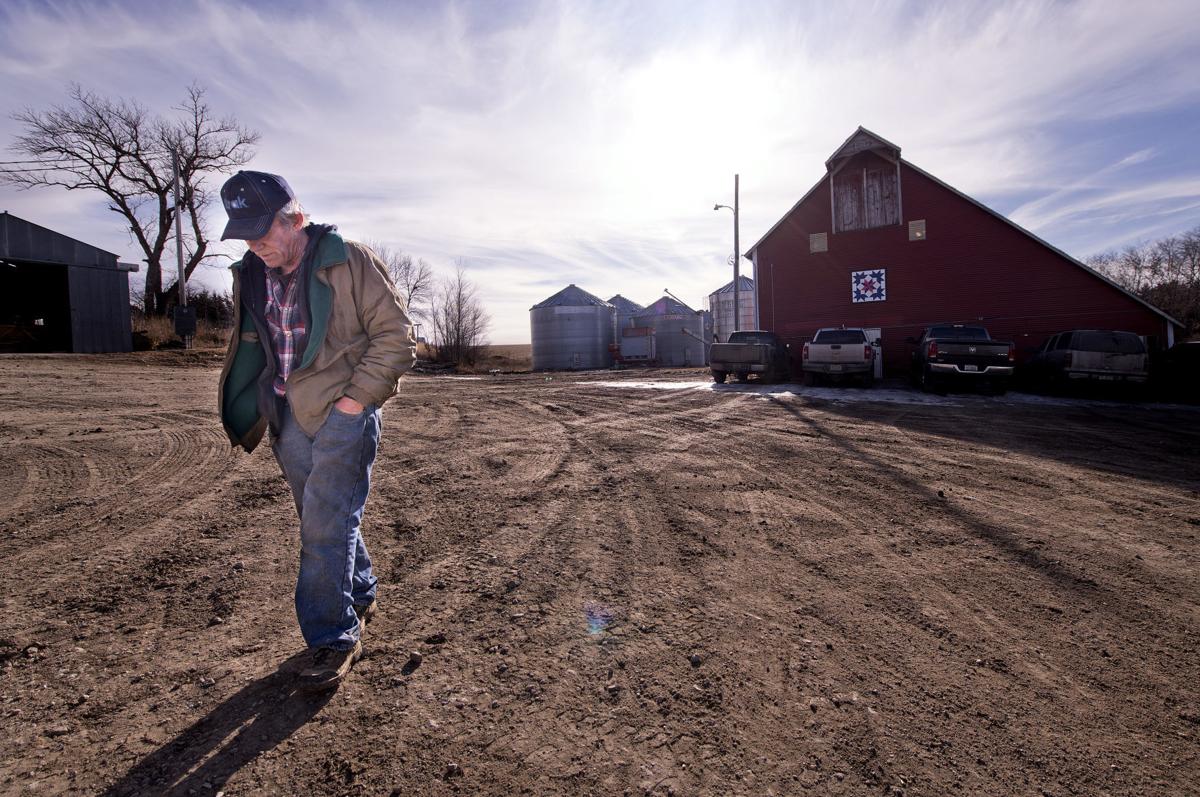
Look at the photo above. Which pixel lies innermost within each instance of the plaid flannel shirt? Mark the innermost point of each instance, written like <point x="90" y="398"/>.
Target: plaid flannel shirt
<point x="286" y="323"/>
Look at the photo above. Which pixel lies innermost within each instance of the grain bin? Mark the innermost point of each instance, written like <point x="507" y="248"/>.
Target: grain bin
<point x="680" y="333"/>
<point x="720" y="304"/>
<point x="624" y="311"/>
<point x="571" y="330"/>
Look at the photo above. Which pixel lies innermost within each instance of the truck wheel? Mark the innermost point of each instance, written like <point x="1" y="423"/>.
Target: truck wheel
<point x="742" y="378"/>
<point x="719" y="377"/>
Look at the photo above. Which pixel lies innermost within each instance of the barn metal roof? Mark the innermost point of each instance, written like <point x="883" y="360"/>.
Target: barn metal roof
<point x="572" y="296"/>
<point x="863" y="140"/>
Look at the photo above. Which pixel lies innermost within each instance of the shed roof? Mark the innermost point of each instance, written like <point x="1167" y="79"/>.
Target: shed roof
<point x="32" y="243"/>
<point x="572" y="296"/>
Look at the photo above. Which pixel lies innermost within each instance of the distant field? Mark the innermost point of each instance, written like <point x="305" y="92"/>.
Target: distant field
<point x="515" y="357"/>
<point x="512" y="357"/>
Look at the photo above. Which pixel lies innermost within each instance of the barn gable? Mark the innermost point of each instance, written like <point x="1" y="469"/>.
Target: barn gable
<point x="864" y="186"/>
<point x="935" y="255"/>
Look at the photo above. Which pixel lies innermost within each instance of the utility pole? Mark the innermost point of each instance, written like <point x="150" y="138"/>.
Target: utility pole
<point x="737" y="257"/>
<point x="180" y="324"/>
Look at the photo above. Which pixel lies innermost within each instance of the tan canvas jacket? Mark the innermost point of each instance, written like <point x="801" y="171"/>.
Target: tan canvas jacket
<point x="359" y="344"/>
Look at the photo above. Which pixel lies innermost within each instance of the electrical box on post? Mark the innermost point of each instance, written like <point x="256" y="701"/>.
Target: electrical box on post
<point x="185" y="321"/>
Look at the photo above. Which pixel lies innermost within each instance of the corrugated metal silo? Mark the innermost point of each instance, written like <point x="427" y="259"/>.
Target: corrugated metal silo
<point x="571" y="330"/>
<point x="720" y="304"/>
<point x="679" y="332"/>
<point x="624" y="312"/>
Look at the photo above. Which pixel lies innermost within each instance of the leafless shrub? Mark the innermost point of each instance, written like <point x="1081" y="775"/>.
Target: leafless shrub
<point x="457" y="319"/>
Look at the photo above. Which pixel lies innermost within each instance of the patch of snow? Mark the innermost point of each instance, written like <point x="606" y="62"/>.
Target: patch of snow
<point x="879" y="395"/>
<point x="655" y="385"/>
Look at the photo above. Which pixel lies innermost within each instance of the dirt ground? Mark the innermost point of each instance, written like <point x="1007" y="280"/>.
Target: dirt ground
<point x="618" y="588"/>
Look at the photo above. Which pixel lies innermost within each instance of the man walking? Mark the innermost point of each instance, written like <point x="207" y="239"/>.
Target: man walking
<point x="320" y="340"/>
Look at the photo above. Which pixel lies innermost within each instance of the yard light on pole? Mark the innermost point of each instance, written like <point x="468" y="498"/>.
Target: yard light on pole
<point x="736" y="252"/>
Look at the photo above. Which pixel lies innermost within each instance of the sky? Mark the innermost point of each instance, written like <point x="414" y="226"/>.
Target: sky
<point x="545" y="143"/>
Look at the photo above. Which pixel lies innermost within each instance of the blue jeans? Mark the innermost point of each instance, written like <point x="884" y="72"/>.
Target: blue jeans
<point x="330" y="475"/>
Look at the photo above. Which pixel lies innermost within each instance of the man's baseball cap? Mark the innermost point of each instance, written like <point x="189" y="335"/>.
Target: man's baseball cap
<point x="251" y="200"/>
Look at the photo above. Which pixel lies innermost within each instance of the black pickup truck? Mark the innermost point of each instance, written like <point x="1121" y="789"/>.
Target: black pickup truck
<point x="963" y="353"/>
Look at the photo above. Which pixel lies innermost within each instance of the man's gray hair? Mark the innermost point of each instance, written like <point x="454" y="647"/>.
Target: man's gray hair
<point x="290" y="212"/>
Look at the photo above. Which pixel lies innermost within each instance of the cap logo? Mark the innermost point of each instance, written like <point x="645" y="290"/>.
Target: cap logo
<point x="237" y="203"/>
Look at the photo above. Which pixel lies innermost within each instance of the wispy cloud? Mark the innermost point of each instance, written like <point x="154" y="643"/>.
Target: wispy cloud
<point x="555" y="142"/>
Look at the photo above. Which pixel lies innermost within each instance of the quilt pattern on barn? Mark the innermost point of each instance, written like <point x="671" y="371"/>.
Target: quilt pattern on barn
<point x="868" y="286"/>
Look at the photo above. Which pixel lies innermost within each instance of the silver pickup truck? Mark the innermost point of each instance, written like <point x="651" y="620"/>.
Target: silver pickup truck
<point x="838" y="354"/>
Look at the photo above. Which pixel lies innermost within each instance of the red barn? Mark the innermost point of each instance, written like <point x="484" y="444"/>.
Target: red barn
<point x="881" y="244"/>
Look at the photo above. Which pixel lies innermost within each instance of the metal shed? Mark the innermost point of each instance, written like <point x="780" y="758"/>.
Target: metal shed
<point x="571" y="330"/>
<point x="60" y="294"/>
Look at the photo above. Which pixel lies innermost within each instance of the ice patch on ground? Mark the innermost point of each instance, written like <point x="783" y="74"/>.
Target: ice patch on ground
<point x="878" y="395"/>
<point x="663" y="385"/>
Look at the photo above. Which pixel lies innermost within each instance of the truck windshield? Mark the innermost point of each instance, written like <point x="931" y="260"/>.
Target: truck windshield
<point x="1111" y="342"/>
<point x="969" y="333"/>
<point x="751" y="337"/>
<point x="840" y="336"/>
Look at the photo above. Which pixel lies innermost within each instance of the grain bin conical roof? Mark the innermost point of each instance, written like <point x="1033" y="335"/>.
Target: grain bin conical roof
<point x="625" y="306"/>
<point x="572" y="296"/>
<point x="666" y="306"/>
<point x="744" y="284"/>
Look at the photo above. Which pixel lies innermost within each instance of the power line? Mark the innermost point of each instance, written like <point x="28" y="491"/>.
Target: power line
<point x="37" y="160"/>
<point x="65" y="159"/>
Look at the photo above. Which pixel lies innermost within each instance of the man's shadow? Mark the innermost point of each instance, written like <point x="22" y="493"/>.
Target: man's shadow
<point x="262" y="714"/>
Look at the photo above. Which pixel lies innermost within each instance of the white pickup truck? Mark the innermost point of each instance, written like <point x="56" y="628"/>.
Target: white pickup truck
<point x="839" y="354"/>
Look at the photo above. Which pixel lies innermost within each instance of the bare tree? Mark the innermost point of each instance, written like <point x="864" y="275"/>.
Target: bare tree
<point x="457" y="318"/>
<point x="414" y="278"/>
<point x="122" y="150"/>
<point x="1165" y="273"/>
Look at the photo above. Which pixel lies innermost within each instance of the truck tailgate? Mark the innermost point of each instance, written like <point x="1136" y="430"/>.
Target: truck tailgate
<point x="836" y="352"/>
<point x="975" y="353"/>
<point x="750" y="353"/>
